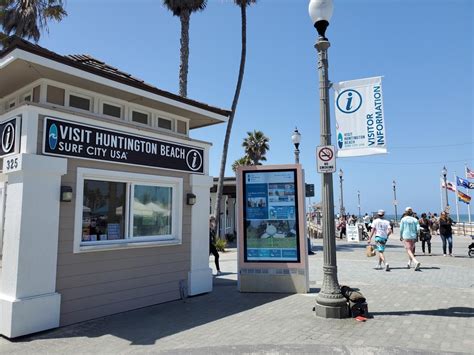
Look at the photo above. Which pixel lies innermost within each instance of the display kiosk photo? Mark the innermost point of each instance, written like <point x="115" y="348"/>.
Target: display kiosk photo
<point x="271" y="229"/>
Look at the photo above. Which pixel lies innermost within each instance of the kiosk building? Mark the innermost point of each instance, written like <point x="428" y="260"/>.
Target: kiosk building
<point x="104" y="197"/>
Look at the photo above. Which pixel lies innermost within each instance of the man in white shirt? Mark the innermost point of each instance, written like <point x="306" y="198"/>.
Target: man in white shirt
<point x="382" y="229"/>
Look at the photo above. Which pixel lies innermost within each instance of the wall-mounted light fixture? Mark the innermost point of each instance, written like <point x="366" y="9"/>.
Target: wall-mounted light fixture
<point x="66" y="194"/>
<point x="190" y="199"/>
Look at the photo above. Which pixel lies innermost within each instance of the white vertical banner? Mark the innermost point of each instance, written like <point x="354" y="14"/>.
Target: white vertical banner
<point x="360" y="119"/>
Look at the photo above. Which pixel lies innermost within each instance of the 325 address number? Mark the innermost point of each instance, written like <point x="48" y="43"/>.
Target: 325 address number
<point x="11" y="164"/>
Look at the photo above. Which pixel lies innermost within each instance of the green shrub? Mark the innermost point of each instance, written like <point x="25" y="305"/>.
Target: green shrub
<point x="230" y="237"/>
<point x="221" y="244"/>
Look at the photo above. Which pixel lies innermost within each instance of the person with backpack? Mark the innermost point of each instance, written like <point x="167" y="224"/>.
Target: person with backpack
<point x="425" y="235"/>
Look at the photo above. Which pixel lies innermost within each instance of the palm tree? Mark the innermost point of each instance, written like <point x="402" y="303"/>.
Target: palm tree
<point x="183" y="9"/>
<point x="27" y="18"/>
<point x="244" y="161"/>
<point x="220" y="184"/>
<point x="256" y="146"/>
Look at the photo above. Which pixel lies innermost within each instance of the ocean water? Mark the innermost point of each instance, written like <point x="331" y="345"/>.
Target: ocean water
<point x="462" y="217"/>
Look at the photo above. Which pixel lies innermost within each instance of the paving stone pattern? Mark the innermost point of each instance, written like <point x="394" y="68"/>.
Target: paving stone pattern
<point x="415" y="312"/>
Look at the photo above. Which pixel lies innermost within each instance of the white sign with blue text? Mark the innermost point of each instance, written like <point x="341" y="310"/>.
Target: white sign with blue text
<point x="360" y="119"/>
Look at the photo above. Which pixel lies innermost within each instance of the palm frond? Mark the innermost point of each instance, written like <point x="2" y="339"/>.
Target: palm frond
<point x="246" y="2"/>
<point x="178" y="6"/>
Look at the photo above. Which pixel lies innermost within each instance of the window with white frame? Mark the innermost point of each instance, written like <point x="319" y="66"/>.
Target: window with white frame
<point x="111" y="110"/>
<point x="119" y="209"/>
<point x="181" y="127"/>
<point x="80" y="102"/>
<point x="10" y="104"/>
<point x="27" y="97"/>
<point x="140" y="117"/>
<point x="165" y="123"/>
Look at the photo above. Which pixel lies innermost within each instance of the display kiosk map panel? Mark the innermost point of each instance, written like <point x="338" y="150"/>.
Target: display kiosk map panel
<point x="270" y="216"/>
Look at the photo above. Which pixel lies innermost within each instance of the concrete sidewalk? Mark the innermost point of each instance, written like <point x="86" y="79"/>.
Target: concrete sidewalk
<point x="428" y="311"/>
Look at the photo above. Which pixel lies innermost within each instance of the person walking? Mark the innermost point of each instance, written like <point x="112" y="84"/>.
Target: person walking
<point x="212" y="242"/>
<point x="409" y="229"/>
<point x="425" y="235"/>
<point x="342" y="226"/>
<point x="382" y="230"/>
<point x="434" y="224"/>
<point x="446" y="232"/>
<point x="366" y="220"/>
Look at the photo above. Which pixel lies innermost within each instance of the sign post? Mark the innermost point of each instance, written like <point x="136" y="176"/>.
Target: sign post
<point x="326" y="159"/>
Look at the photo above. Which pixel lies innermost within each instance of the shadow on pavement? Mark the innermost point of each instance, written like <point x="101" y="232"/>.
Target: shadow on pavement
<point x="421" y="268"/>
<point x="458" y="312"/>
<point x="351" y="247"/>
<point x="147" y="325"/>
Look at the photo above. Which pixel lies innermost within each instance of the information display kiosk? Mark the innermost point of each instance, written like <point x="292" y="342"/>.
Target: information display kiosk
<point x="271" y="230"/>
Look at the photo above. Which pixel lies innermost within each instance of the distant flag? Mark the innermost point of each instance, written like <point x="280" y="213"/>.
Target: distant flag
<point x="464" y="198"/>
<point x="469" y="173"/>
<point x="451" y="186"/>
<point x="464" y="183"/>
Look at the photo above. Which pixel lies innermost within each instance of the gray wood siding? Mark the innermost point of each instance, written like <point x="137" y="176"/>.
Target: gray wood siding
<point x="100" y="283"/>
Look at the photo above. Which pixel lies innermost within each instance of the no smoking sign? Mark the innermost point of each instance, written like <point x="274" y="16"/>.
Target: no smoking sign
<point x="326" y="160"/>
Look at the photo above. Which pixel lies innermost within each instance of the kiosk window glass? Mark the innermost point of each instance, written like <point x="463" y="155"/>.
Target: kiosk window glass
<point x="79" y="102"/>
<point x="152" y="211"/>
<point x="164" y="123"/>
<point x="117" y="210"/>
<point x="181" y="127"/>
<point x="55" y="95"/>
<point x="103" y="210"/>
<point x="112" y="110"/>
<point x="139" y="117"/>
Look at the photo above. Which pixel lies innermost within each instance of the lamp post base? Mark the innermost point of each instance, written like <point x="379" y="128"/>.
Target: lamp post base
<point x="338" y="310"/>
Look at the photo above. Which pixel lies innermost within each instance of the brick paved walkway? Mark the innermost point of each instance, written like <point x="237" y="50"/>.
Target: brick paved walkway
<point x="430" y="311"/>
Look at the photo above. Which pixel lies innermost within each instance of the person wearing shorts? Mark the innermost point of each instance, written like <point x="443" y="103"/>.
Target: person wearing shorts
<point x="409" y="230"/>
<point x="382" y="230"/>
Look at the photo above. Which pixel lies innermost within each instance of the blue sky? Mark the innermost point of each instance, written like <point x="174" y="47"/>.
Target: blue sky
<point x="423" y="48"/>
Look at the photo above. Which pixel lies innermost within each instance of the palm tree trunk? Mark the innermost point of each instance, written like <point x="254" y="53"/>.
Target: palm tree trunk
<point x="183" y="68"/>
<point x="220" y="183"/>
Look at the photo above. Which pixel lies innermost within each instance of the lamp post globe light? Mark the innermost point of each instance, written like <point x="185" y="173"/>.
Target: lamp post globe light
<point x="394" y="185"/>
<point x="445" y="173"/>
<point x="329" y="302"/>
<point x="296" y="139"/>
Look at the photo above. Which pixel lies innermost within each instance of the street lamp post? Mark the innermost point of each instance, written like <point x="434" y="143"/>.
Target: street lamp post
<point x="394" y="185"/>
<point x="358" y="201"/>
<point x="341" y="207"/>
<point x="296" y="138"/>
<point x="329" y="303"/>
<point x="445" y="172"/>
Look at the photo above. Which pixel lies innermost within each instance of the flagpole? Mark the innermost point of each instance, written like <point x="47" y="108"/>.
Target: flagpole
<point x="469" y="204"/>
<point x="469" y="211"/>
<point x="441" y="193"/>
<point x="456" y="198"/>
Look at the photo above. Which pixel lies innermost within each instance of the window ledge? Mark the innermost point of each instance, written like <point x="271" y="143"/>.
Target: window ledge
<point x="126" y="245"/>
